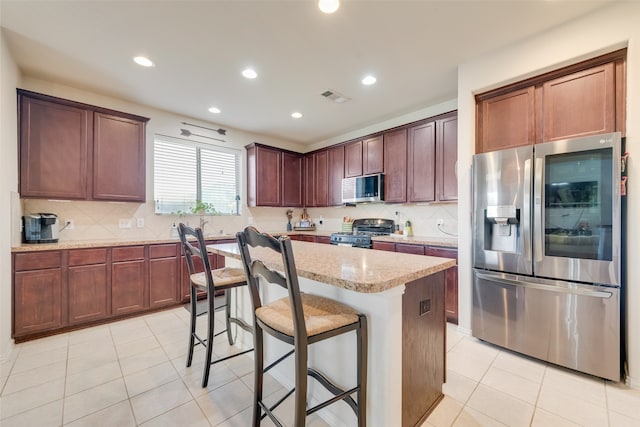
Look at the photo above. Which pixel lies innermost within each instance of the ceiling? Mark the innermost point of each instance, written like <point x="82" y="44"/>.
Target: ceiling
<point x="200" y="48"/>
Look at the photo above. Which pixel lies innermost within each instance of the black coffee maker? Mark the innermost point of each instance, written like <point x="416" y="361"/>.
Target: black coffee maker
<point x="40" y="228"/>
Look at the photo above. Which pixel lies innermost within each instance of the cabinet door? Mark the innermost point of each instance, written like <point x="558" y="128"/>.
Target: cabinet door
<point x="37" y="304"/>
<point x="447" y="159"/>
<point x="336" y="173"/>
<point x="54" y="144"/>
<point x="87" y="293"/>
<point x="395" y="166"/>
<point x="421" y="174"/>
<point x="580" y="104"/>
<point x="128" y="290"/>
<point x="264" y="175"/>
<point x="292" y="177"/>
<point x="353" y="159"/>
<point x="322" y="178"/>
<point x="506" y="121"/>
<point x="118" y="158"/>
<point x="372" y="155"/>
<point x="309" y="181"/>
<point x="163" y="281"/>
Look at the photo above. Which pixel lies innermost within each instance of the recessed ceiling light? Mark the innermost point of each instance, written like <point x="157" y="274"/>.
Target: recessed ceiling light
<point x="368" y="80"/>
<point x="214" y="110"/>
<point x="145" y="62"/>
<point x="249" y="73"/>
<point x="296" y="115"/>
<point x="328" y="6"/>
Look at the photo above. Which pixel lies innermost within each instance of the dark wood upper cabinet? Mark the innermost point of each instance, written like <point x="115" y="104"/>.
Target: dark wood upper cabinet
<point x="421" y="171"/>
<point x="447" y="159"/>
<point x="336" y="173"/>
<point x="264" y="176"/>
<point x="70" y="150"/>
<point x="310" y="180"/>
<point x="372" y="155"/>
<point x="580" y="104"/>
<point x="292" y="179"/>
<point x="274" y="176"/>
<point x="587" y="98"/>
<point x="353" y="159"/>
<point x="322" y="178"/>
<point x="54" y="147"/>
<point x="395" y="166"/>
<point x="506" y="121"/>
<point x="118" y="158"/>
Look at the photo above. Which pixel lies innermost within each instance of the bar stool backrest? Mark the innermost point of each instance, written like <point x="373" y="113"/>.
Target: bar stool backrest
<point x="255" y="268"/>
<point x="192" y="251"/>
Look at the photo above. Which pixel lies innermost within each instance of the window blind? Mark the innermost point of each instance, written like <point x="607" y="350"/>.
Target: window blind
<point x="186" y="171"/>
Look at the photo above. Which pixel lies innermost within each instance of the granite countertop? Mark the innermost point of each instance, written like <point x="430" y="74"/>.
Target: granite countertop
<point x="450" y="242"/>
<point x="101" y="243"/>
<point x="356" y="269"/>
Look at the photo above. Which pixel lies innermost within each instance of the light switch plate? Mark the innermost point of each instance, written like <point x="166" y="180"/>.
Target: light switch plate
<point x="139" y="222"/>
<point x="124" y="223"/>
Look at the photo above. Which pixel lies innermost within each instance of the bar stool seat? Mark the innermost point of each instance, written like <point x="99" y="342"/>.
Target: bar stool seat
<point x="223" y="278"/>
<point x="320" y="314"/>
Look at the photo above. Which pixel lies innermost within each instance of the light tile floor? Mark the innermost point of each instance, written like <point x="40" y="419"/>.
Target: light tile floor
<point x="132" y="373"/>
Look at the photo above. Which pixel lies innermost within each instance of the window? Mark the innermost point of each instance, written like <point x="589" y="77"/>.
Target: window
<point x="186" y="172"/>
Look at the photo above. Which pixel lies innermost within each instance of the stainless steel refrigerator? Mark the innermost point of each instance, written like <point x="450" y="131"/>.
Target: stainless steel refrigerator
<point x="546" y="252"/>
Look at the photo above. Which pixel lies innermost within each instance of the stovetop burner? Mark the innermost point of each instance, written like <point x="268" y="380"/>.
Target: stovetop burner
<point x="363" y="229"/>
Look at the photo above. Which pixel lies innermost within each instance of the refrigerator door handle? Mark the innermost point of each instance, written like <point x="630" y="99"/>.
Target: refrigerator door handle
<point x="538" y="170"/>
<point x="558" y="289"/>
<point x="526" y="207"/>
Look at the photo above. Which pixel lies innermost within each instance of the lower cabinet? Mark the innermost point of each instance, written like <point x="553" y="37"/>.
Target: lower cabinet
<point x="37" y="301"/>
<point x="451" y="274"/>
<point x="88" y="285"/>
<point x="164" y="273"/>
<point x="127" y="287"/>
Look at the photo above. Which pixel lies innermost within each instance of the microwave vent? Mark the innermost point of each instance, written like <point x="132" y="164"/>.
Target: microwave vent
<point x="334" y="96"/>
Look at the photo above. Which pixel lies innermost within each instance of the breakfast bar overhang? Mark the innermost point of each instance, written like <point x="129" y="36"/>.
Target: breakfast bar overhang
<point x="402" y="296"/>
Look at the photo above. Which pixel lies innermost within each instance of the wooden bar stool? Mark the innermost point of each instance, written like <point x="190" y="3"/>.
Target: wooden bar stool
<point x="299" y="319"/>
<point x="209" y="281"/>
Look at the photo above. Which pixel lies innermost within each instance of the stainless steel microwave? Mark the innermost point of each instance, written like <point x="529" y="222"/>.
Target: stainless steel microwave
<point x="368" y="188"/>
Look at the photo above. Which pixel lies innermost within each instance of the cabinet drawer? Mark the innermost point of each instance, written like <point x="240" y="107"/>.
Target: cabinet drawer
<point x="408" y="248"/>
<point x="87" y="256"/>
<point x="37" y="261"/>
<point x="442" y="252"/>
<point x="384" y="246"/>
<point x="163" y="251"/>
<point x="127" y="253"/>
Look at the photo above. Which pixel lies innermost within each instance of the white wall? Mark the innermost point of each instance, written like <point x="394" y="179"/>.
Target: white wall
<point x="9" y="79"/>
<point x="606" y="30"/>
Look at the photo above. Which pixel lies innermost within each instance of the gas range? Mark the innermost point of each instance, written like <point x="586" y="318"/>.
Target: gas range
<point x="363" y="229"/>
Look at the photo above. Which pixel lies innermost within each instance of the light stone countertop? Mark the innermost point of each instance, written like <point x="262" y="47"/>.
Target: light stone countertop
<point x="449" y="242"/>
<point x="356" y="269"/>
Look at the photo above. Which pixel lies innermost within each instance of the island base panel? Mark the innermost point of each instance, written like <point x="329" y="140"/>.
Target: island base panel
<point x="423" y="344"/>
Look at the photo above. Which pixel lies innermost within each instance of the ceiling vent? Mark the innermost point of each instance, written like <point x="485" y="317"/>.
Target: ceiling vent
<point x="334" y="96"/>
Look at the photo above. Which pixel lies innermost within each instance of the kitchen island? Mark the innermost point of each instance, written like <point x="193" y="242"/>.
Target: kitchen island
<point x="402" y="296"/>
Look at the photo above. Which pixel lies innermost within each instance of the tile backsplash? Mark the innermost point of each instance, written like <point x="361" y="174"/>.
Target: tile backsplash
<point x="101" y="220"/>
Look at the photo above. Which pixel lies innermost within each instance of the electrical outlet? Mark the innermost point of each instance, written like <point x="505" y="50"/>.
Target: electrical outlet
<point x="139" y="222"/>
<point x="124" y="223"/>
<point x="69" y="224"/>
<point x="440" y="222"/>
